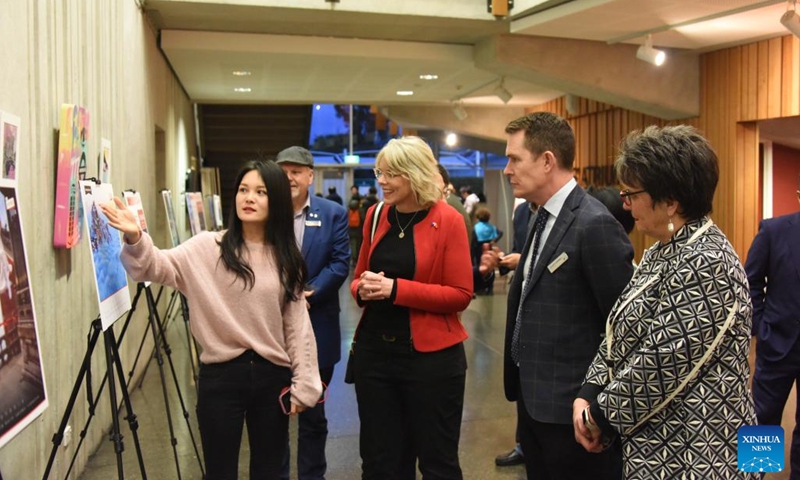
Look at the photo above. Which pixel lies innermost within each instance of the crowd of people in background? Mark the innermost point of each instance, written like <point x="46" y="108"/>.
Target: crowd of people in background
<point x="618" y="370"/>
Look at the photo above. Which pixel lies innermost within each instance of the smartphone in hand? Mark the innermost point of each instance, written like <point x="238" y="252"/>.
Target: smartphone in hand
<point x="285" y="399"/>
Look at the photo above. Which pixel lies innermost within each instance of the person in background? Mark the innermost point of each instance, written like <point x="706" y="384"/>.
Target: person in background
<point x="413" y="277"/>
<point x="245" y="290"/>
<point x="334" y="197"/>
<point x="371" y="199"/>
<point x="321" y="232"/>
<point x="354" y="193"/>
<point x="609" y="196"/>
<point x="773" y="271"/>
<point x="485" y="231"/>
<point x="453" y="201"/>
<point x="355" y="221"/>
<point x="576" y="261"/>
<point x="470" y="200"/>
<point x="670" y="378"/>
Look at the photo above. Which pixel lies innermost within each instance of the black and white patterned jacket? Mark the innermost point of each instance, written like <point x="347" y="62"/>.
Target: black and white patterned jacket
<point x="672" y="423"/>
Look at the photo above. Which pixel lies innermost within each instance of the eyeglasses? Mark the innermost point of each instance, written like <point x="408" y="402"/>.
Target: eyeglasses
<point x="379" y="173"/>
<point x="626" y="195"/>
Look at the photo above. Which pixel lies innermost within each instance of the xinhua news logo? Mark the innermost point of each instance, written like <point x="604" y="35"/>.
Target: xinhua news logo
<point x="761" y="448"/>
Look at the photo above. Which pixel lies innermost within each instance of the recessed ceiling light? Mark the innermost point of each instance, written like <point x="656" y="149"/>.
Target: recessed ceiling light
<point x="242" y="89"/>
<point x="451" y="139"/>
<point x="241" y="73"/>
<point x="405" y="93"/>
<point x="429" y="76"/>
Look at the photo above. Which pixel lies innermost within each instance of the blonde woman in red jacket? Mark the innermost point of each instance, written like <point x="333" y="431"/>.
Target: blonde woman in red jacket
<point x="413" y="276"/>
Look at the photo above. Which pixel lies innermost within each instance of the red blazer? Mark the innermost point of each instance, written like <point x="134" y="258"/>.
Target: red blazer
<point x="442" y="284"/>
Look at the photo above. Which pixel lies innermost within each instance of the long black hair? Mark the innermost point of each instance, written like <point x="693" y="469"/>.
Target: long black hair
<point x="278" y="232"/>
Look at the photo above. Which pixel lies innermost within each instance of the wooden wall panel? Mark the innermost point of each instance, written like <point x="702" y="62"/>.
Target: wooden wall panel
<point x="775" y="78"/>
<point x="763" y="77"/>
<point x="739" y="86"/>
<point x="790" y="87"/>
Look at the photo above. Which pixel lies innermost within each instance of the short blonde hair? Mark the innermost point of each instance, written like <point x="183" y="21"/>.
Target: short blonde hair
<point x="413" y="158"/>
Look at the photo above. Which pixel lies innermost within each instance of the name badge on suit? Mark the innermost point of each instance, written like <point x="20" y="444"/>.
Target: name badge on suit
<point x="560" y="260"/>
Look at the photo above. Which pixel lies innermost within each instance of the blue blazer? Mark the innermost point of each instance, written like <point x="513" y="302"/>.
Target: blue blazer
<point x="565" y="310"/>
<point x="773" y="270"/>
<point x="522" y="215"/>
<point x="326" y="249"/>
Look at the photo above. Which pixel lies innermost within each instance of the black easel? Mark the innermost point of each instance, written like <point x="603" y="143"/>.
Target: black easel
<point x="157" y="328"/>
<point x="113" y="362"/>
<point x="191" y="342"/>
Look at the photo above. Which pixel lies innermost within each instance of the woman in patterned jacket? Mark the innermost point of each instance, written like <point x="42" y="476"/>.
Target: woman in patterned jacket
<point x="671" y="375"/>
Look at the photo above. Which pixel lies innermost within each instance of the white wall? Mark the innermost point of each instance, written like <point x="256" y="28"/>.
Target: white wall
<point x="100" y="54"/>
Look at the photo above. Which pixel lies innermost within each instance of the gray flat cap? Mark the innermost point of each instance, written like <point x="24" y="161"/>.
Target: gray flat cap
<point x="296" y="155"/>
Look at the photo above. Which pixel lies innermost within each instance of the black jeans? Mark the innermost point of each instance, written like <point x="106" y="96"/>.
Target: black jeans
<point x="410" y="404"/>
<point x="312" y="434"/>
<point x="230" y="394"/>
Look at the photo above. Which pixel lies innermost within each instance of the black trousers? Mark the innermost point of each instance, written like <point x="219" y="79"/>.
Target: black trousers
<point x="552" y="453"/>
<point x="230" y="394"/>
<point x="772" y="385"/>
<point x="409" y="404"/>
<point x="312" y="435"/>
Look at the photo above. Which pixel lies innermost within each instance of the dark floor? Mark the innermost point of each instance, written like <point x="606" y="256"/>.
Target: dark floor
<point x="487" y="429"/>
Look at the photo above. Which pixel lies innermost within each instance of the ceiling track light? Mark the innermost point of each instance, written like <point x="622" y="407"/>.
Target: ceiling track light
<point x="791" y="19"/>
<point x="649" y="54"/>
<point x="501" y="92"/>
<point x="459" y="111"/>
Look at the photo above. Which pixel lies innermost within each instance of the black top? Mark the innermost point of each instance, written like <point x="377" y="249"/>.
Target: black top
<point x="396" y="258"/>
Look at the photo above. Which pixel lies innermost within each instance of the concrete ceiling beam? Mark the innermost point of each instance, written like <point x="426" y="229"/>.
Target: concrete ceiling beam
<point x="606" y="73"/>
<point x="481" y="122"/>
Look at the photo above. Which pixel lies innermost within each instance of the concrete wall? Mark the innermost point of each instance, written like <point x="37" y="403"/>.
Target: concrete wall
<point x="102" y="55"/>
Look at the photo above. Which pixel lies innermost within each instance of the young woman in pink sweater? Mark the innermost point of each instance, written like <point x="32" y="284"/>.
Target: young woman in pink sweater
<point x="245" y="292"/>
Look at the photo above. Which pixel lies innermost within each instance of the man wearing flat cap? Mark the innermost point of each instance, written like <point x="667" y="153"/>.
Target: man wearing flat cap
<point x="321" y="229"/>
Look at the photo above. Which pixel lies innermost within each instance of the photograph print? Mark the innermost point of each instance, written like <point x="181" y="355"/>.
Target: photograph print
<point x="9" y="144"/>
<point x="173" y="225"/>
<point x="110" y="277"/>
<point x="23" y="394"/>
<point x="134" y="203"/>
<point x="73" y="137"/>
<point x="196" y="222"/>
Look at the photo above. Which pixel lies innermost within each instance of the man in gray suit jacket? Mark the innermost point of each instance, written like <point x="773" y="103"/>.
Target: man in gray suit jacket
<point x="576" y="261"/>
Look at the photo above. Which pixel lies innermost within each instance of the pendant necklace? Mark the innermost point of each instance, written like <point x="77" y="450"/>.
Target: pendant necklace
<point x="402" y="228"/>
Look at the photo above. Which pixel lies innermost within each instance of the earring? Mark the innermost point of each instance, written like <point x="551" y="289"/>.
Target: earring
<point x="670" y="226"/>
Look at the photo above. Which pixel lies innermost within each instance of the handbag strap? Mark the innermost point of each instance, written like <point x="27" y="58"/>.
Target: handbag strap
<point x="375" y="216"/>
<point x="653" y="279"/>
<point x="693" y="373"/>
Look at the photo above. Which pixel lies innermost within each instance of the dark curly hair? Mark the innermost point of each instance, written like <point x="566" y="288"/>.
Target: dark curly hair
<point x="671" y="163"/>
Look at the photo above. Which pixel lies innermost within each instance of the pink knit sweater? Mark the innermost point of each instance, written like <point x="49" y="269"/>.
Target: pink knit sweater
<point x="226" y="318"/>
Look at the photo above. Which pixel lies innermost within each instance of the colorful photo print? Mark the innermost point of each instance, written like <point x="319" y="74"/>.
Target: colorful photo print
<point x="9" y="139"/>
<point x="110" y="277"/>
<point x="23" y="395"/>
<point x="197" y="198"/>
<point x="72" y="144"/>
<point x="194" y="209"/>
<point x="134" y="202"/>
<point x="173" y="225"/>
